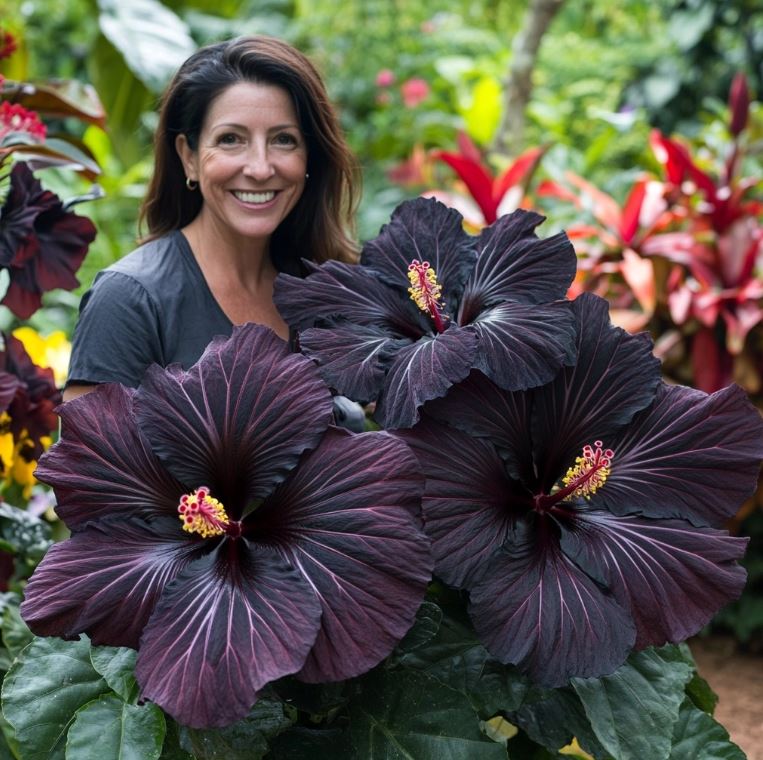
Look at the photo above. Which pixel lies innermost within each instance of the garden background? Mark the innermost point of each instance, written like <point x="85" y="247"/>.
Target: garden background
<point x="636" y="126"/>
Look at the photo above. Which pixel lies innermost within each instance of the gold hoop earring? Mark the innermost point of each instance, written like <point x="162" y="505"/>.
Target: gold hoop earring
<point x="191" y="184"/>
<point x="307" y="176"/>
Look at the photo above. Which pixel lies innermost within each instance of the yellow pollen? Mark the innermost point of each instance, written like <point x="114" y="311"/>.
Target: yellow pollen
<point x="425" y="291"/>
<point x="590" y="471"/>
<point x="201" y="513"/>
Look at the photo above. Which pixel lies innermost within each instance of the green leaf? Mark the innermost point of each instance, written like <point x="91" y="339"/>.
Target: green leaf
<point x="245" y="740"/>
<point x="406" y="715"/>
<point x="109" y="729"/>
<point x="16" y="635"/>
<point x="424" y="629"/>
<point x="698" y="736"/>
<point x="300" y="743"/>
<point x="117" y="666"/>
<point x="23" y="533"/>
<point x="50" y="680"/>
<point x="171" y="749"/>
<point x="457" y="659"/>
<point x="633" y="711"/>
<point x="153" y="40"/>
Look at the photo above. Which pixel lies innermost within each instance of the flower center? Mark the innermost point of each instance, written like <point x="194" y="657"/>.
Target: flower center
<point x="201" y="513"/>
<point x="426" y="292"/>
<point x="590" y="471"/>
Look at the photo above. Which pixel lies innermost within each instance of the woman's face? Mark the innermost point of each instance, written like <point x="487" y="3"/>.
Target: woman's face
<point x="250" y="162"/>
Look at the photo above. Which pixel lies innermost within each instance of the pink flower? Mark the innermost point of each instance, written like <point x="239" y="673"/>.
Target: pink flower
<point x="414" y="91"/>
<point x="16" y="118"/>
<point x="385" y="78"/>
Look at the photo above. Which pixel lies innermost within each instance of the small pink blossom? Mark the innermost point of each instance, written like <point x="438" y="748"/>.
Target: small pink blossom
<point x="414" y="91"/>
<point x="385" y="78"/>
<point x="16" y="118"/>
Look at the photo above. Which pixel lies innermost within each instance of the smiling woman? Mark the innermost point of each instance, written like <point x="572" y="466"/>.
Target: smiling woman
<point x="252" y="175"/>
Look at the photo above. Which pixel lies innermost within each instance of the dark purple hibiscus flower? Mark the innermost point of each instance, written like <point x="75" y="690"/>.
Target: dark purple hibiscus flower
<point x="29" y="394"/>
<point x="429" y="303"/>
<point x="222" y="527"/>
<point x="581" y="516"/>
<point x="41" y="243"/>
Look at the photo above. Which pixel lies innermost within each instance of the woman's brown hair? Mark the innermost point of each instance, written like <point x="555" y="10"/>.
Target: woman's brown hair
<point x="317" y="227"/>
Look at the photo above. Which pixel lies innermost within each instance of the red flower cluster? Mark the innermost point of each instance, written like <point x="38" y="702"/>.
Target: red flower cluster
<point x="16" y="118"/>
<point x="8" y="44"/>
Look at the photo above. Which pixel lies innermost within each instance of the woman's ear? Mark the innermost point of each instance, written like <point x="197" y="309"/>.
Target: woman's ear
<point x="187" y="156"/>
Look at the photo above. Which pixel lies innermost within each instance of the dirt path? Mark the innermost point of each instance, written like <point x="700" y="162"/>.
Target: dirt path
<point x="737" y="679"/>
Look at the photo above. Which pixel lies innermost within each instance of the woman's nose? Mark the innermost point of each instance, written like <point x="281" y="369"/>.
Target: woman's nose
<point x="259" y="165"/>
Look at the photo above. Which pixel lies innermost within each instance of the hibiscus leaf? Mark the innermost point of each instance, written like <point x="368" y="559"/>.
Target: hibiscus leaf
<point x="245" y="740"/>
<point x="117" y="666"/>
<point x="688" y="455"/>
<point x="514" y="264"/>
<point x="49" y="681"/>
<point x="108" y="727"/>
<point x="698" y="736"/>
<point x="534" y="608"/>
<point x="426" y="230"/>
<point x="101" y="466"/>
<point x="337" y="290"/>
<point x="230" y="622"/>
<point x="349" y="513"/>
<point x="615" y="376"/>
<point x="105" y="580"/>
<point x="465" y="501"/>
<point x="523" y="346"/>
<point x="422" y="371"/>
<point x="408" y="715"/>
<point x="654" y="568"/>
<point x="353" y="359"/>
<point x="633" y="711"/>
<point x="239" y="419"/>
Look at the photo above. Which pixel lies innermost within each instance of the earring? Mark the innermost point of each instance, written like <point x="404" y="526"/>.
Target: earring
<point x="307" y="176"/>
<point x="191" y="184"/>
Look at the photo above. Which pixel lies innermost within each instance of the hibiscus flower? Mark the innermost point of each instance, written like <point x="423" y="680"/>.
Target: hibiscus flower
<point x="222" y="527"/>
<point x="428" y="303"/>
<point x="41" y="243"/>
<point x="582" y="516"/>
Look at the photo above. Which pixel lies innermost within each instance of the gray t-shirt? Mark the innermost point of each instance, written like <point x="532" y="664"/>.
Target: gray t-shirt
<point x="152" y="306"/>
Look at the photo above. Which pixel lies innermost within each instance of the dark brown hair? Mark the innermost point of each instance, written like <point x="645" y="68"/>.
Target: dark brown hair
<point x="317" y="227"/>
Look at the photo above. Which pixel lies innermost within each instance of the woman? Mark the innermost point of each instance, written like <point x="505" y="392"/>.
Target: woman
<point x="252" y="175"/>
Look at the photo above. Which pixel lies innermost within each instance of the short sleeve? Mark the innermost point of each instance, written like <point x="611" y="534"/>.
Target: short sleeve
<point x="117" y="336"/>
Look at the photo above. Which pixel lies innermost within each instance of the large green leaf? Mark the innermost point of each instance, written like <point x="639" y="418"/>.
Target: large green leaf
<point x="698" y="736"/>
<point x="633" y="711"/>
<point x="109" y="729"/>
<point x="153" y="40"/>
<point x="244" y="740"/>
<point x="407" y="715"/>
<point x="50" y="680"/>
<point x="457" y="659"/>
<point x="59" y="98"/>
<point x="15" y="633"/>
<point x="117" y="666"/>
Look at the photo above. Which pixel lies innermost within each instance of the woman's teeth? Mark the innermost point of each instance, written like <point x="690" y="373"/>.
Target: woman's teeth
<point x="255" y="197"/>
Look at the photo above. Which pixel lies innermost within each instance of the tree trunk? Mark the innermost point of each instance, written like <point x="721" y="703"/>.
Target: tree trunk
<point x="518" y="84"/>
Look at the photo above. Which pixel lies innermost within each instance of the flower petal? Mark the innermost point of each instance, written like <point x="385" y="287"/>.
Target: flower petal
<point x="427" y="230"/>
<point x="102" y="465"/>
<point x="336" y="290"/>
<point x="616" y="375"/>
<point x="106" y="580"/>
<point x="688" y="455"/>
<point x="523" y="346"/>
<point x="467" y="501"/>
<point x="348" y="520"/>
<point x="233" y="621"/>
<point x="352" y="358"/>
<point x="239" y="419"/>
<point x="536" y="609"/>
<point x="422" y="371"/>
<point x="514" y="264"/>
<point x="672" y="577"/>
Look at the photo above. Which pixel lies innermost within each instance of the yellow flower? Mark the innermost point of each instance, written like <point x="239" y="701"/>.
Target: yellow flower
<point x="50" y="351"/>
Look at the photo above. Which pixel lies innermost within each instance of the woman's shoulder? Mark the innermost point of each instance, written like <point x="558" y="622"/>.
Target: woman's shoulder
<point x="152" y="263"/>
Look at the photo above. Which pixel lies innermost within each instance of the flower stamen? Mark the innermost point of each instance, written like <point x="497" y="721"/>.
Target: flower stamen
<point x="201" y="513"/>
<point x="426" y="292"/>
<point x="590" y="471"/>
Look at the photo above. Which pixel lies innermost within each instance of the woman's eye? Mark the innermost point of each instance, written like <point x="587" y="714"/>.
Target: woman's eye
<point x="286" y="138"/>
<point x="228" y="138"/>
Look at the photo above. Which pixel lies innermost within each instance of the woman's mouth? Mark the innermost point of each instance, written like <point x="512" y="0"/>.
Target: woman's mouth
<point x="248" y="197"/>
